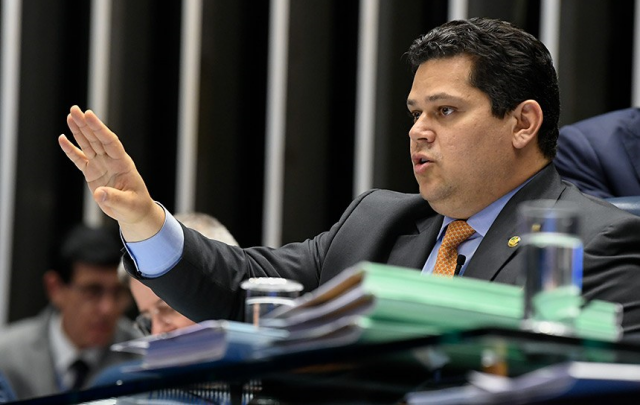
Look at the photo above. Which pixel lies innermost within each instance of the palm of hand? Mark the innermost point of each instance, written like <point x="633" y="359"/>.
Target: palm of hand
<point x="116" y="173"/>
<point x="105" y="171"/>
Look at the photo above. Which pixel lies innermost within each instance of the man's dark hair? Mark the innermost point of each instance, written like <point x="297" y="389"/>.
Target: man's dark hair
<point x="83" y="244"/>
<point x="509" y="65"/>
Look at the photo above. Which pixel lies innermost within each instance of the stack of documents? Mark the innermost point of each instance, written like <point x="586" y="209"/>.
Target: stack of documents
<point x="375" y="302"/>
<point x="366" y="303"/>
<point x="572" y="382"/>
<point x="202" y="342"/>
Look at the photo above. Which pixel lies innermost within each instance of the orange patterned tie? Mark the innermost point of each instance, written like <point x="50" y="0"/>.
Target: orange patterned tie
<point x="456" y="233"/>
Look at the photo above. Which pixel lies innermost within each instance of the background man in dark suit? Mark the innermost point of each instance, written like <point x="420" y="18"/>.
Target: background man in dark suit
<point x="601" y="155"/>
<point x="485" y="106"/>
<point x="37" y="355"/>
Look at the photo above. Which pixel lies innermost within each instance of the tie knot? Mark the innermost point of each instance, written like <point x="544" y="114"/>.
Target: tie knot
<point x="457" y="232"/>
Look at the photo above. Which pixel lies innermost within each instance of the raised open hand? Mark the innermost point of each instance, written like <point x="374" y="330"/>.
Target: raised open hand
<point x="111" y="175"/>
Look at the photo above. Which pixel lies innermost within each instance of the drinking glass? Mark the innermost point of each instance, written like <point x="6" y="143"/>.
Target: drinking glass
<point x="552" y="266"/>
<point x="264" y="294"/>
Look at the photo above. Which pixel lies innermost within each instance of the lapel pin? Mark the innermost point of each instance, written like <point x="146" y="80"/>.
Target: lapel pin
<point x="513" y="241"/>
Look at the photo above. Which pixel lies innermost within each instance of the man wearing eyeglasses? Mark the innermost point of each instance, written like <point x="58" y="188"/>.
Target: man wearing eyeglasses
<point x="156" y="316"/>
<point x="64" y="346"/>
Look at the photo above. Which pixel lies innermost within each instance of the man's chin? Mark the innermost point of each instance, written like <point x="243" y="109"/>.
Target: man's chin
<point x="428" y="195"/>
<point x="436" y="204"/>
<point x="99" y="339"/>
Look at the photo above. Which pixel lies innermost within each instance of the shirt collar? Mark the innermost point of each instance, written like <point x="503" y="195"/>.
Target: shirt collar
<point x="64" y="351"/>
<point x="482" y="221"/>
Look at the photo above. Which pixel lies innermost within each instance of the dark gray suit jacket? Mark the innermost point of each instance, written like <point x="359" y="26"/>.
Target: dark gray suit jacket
<point x="401" y="229"/>
<point x="27" y="362"/>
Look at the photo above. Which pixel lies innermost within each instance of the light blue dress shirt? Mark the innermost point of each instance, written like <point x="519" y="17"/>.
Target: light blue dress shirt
<point x="480" y="222"/>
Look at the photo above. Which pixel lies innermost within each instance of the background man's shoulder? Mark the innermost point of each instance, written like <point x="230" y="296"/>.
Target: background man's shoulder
<point x="21" y="331"/>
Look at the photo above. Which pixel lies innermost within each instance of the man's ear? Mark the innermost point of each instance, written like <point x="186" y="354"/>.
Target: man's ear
<point x="56" y="288"/>
<point x="528" y="116"/>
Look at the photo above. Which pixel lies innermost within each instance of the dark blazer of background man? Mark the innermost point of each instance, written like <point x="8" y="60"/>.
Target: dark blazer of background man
<point x="485" y="107"/>
<point x="601" y="155"/>
<point x="87" y="303"/>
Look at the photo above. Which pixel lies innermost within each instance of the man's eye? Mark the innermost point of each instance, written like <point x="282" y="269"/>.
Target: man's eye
<point x="415" y="116"/>
<point x="446" y="111"/>
<point x="94" y="291"/>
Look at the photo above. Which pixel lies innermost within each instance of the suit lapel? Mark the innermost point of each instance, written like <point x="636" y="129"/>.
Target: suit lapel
<point x="494" y="253"/>
<point x="412" y="250"/>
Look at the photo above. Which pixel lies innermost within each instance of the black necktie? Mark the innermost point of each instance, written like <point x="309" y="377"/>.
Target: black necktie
<point x="80" y="370"/>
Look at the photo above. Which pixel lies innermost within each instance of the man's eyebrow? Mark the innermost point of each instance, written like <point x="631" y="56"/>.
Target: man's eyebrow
<point x="443" y="96"/>
<point x="436" y="97"/>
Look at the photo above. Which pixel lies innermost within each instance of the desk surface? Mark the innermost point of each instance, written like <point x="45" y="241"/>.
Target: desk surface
<point x="366" y="373"/>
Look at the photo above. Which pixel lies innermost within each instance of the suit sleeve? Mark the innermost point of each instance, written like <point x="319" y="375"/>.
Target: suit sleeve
<point x="577" y="162"/>
<point x="205" y="283"/>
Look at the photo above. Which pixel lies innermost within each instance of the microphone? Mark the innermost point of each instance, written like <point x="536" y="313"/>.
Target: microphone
<point x="459" y="263"/>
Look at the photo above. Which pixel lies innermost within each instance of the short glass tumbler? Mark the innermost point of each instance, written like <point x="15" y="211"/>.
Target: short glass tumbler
<point x="264" y="294"/>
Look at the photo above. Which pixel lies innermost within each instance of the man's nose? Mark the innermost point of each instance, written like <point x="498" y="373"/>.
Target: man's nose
<point x="111" y="301"/>
<point x="108" y="303"/>
<point x="421" y="130"/>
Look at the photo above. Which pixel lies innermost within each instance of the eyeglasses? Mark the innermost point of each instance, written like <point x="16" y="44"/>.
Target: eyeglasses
<point x="95" y="293"/>
<point x="161" y="311"/>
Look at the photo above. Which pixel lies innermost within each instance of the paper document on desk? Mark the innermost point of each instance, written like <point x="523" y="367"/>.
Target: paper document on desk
<point x="376" y="302"/>
<point x="199" y="342"/>
<point x="572" y="380"/>
<point x="202" y="342"/>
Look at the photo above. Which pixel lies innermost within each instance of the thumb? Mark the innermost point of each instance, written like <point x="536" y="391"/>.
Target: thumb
<point x="124" y="206"/>
<point x="109" y="199"/>
<point x="110" y="196"/>
<point x="100" y="195"/>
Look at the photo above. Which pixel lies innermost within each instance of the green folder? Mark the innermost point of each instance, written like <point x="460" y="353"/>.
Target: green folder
<point x="377" y="302"/>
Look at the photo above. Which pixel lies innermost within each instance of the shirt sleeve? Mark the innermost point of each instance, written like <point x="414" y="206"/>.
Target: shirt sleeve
<point x="157" y="255"/>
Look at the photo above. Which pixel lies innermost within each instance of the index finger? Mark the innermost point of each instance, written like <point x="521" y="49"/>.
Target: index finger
<point x="82" y="141"/>
<point x="79" y="119"/>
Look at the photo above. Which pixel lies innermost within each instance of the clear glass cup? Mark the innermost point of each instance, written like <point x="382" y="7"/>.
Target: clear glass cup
<point x="264" y="294"/>
<point x="552" y="266"/>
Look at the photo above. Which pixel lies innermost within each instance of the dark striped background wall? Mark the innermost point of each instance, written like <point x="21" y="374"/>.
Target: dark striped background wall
<point x="595" y="67"/>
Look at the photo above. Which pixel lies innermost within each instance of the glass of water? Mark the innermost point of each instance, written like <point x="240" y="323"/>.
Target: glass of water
<point x="552" y="266"/>
<point x="264" y="294"/>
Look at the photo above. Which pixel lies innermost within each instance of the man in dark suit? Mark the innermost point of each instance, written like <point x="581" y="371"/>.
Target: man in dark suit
<point x="601" y="155"/>
<point x="485" y="108"/>
<point x="68" y="343"/>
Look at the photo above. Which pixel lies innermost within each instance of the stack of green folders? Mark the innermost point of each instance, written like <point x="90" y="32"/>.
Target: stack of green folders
<point x="375" y="302"/>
